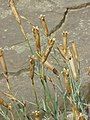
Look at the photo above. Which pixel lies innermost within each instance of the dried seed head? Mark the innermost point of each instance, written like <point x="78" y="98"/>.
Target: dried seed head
<point x="36" y="34"/>
<point x="65" y="34"/>
<point x="32" y="68"/>
<point x="44" y="24"/>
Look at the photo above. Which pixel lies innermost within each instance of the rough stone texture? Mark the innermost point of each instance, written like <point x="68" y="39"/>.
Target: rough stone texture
<point x="62" y="15"/>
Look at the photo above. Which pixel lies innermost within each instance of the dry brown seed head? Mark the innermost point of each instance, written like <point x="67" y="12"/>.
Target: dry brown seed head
<point x="65" y="34"/>
<point x="36" y="34"/>
<point x="44" y="24"/>
<point x="32" y="68"/>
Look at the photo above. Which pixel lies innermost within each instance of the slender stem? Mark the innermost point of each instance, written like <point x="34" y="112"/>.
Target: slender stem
<point x="35" y="96"/>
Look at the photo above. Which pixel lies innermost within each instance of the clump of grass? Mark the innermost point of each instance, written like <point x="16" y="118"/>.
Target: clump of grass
<point x="70" y="75"/>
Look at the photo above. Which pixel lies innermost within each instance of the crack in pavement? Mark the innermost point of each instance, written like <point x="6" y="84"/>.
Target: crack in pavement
<point x="59" y="25"/>
<point x="17" y="73"/>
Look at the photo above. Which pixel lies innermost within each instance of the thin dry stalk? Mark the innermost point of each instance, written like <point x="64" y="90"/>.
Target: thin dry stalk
<point x="4" y="67"/>
<point x="36" y="34"/>
<point x="44" y="24"/>
<point x="3" y="63"/>
<point x="18" y="19"/>
<point x="17" y="16"/>
<point x="75" y="52"/>
<point x="14" y="10"/>
<point x="32" y="70"/>
<point x="61" y="50"/>
<point x="76" y="59"/>
<point x="11" y="97"/>
<point x="48" y="50"/>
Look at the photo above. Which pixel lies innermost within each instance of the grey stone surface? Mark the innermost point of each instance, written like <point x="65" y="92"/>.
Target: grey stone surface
<point x="76" y="22"/>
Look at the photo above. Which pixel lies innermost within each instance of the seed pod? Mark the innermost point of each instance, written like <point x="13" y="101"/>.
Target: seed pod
<point x="44" y="24"/>
<point x="48" y="50"/>
<point x="32" y="68"/>
<point x="65" y="34"/>
<point x="36" y="34"/>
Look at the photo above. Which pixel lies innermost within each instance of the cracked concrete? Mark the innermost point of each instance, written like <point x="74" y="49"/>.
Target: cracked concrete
<point x="66" y="13"/>
<point x="62" y="15"/>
